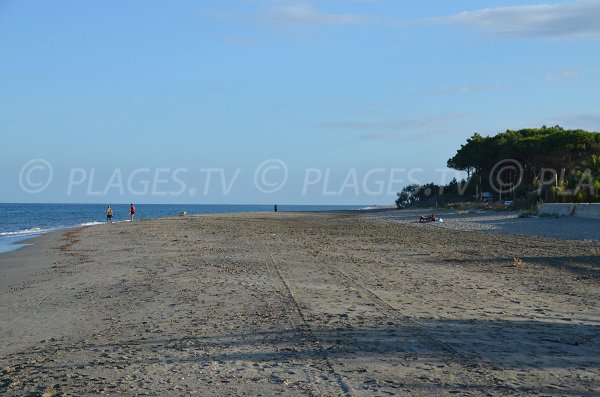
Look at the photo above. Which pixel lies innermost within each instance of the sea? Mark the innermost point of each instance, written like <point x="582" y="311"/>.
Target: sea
<point x="21" y="222"/>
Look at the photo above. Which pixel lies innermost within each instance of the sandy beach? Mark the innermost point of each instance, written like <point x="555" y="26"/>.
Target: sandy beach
<point x="304" y="304"/>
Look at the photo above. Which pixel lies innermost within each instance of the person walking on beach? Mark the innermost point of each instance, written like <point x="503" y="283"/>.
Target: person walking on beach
<point x="109" y="214"/>
<point x="131" y="212"/>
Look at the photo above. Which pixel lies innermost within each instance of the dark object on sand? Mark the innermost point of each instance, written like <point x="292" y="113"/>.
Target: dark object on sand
<point x="425" y="219"/>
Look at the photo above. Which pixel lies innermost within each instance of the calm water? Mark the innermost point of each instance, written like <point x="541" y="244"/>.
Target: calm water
<point x="23" y="221"/>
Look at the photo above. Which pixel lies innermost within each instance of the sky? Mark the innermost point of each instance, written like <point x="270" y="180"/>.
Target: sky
<point x="276" y="101"/>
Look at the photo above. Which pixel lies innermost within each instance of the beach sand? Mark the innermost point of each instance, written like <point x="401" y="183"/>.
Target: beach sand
<point x="299" y="304"/>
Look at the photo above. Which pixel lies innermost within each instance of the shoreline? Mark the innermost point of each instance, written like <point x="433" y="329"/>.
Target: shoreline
<point x="561" y="228"/>
<point x="25" y="261"/>
<point x="24" y="240"/>
<point x="10" y="239"/>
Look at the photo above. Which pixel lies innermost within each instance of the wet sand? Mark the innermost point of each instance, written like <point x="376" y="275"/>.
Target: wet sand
<point x="298" y="304"/>
<point x="505" y="222"/>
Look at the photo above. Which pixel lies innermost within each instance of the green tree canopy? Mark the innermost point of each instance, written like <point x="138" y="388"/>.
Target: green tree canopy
<point x="535" y="148"/>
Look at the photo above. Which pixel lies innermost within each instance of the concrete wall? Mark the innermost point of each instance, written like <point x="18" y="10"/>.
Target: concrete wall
<point x="589" y="211"/>
<point x="557" y="209"/>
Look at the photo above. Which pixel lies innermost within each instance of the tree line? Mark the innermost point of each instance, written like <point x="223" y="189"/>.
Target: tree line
<point x="533" y="164"/>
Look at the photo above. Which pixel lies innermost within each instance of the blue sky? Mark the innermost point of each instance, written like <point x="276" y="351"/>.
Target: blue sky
<point x="334" y="88"/>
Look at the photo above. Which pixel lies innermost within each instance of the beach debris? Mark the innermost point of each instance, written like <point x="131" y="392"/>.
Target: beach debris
<point x="428" y="218"/>
<point x="229" y="269"/>
<point x="288" y="382"/>
<point x="51" y="391"/>
<point x="519" y="263"/>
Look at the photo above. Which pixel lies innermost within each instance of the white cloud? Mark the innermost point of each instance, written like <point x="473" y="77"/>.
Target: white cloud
<point x="401" y="130"/>
<point x="384" y="137"/>
<point x="586" y="121"/>
<point x="563" y="76"/>
<point x="405" y="137"/>
<point x="395" y="126"/>
<point x="467" y="88"/>
<point x="243" y="41"/>
<point x="304" y="14"/>
<point x="579" y="18"/>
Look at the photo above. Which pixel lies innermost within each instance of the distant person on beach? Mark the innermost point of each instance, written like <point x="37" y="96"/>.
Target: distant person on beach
<point x="131" y="212"/>
<point x="275" y="208"/>
<point x="109" y="214"/>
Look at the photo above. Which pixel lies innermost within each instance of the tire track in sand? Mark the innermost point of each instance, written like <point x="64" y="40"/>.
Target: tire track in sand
<point x="475" y="369"/>
<point x="300" y="324"/>
<point x="480" y="373"/>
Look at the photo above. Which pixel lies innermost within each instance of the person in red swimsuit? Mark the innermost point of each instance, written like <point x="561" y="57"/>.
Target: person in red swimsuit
<point x="131" y="212"/>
